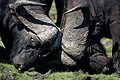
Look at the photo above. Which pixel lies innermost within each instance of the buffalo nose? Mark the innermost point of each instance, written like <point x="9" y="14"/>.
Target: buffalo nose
<point x="19" y="67"/>
<point x="18" y="63"/>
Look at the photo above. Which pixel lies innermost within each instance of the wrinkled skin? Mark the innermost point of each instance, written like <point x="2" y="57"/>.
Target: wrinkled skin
<point x="82" y="30"/>
<point x="27" y="33"/>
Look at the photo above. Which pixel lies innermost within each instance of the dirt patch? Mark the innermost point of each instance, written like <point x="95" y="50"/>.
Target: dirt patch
<point x="89" y="78"/>
<point x="12" y="76"/>
<point x="39" y="76"/>
<point x="7" y="74"/>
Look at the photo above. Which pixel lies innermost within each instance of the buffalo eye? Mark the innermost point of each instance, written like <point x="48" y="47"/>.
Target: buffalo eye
<point x="34" y="42"/>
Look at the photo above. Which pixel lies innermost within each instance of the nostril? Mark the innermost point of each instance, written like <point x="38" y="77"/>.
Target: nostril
<point x="18" y="65"/>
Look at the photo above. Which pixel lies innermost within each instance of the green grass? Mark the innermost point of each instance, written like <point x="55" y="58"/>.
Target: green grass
<point x="1" y="44"/>
<point x="67" y="75"/>
<point x="53" y="12"/>
<point x="8" y="71"/>
<point x="79" y="75"/>
<point x="108" y="46"/>
<point x="60" y="76"/>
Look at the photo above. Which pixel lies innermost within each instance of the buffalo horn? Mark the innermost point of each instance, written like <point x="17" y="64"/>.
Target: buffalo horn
<point x="20" y="3"/>
<point x="78" y="7"/>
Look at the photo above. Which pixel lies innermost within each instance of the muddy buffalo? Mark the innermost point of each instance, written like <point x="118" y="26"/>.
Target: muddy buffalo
<point x="85" y="22"/>
<point x="27" y="32"/>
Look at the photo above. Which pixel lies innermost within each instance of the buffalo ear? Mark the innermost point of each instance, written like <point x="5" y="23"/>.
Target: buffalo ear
<point x="12" y="12"/>
<point x="11" y="7"/>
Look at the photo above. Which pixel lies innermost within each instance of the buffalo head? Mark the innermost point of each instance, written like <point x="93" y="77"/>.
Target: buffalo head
<point x="35" y="34"/>
<point x="81" y="38"/>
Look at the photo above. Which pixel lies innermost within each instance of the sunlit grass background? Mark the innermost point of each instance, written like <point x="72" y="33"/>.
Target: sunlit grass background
<point x="7" y="71"/>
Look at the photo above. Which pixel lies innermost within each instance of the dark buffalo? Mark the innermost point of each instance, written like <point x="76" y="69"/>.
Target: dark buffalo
<point x="84" y="24"/>
<point x="27" y="32"/>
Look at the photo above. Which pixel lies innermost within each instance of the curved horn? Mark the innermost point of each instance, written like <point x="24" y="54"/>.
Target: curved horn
<point x="78" y="7"/>
<point x="37" y="23"/>
<point x="19" y="3"/>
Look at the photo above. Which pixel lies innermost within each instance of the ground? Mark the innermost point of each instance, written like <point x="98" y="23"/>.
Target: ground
<point x="40" y="72"/>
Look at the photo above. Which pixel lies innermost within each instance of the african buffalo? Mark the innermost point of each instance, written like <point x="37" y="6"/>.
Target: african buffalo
<point x="27" y="32"/>
<point x="84" y="23"/>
